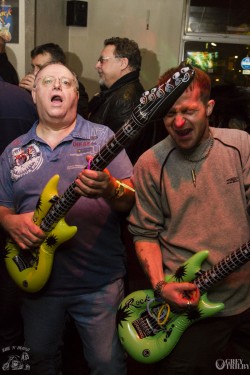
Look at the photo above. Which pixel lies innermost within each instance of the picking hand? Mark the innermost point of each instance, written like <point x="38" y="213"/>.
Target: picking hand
<point x="181" y="295"/>
<point x="24" y="231"/>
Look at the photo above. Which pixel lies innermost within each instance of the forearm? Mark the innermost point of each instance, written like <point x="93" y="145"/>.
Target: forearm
<point x="178" y="295"/>
<point x="150" y="258"/>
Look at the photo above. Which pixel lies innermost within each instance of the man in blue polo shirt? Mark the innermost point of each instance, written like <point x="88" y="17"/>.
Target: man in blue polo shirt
<point x="17" y="115"/>
<point x="87" y="275"/>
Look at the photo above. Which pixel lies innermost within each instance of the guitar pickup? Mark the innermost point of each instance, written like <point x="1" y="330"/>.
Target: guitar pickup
<point x="24" y="261"/>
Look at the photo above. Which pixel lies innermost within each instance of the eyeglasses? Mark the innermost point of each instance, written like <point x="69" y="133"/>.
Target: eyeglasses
<point x="65" y="82"/>
<point x="102" y="59"/>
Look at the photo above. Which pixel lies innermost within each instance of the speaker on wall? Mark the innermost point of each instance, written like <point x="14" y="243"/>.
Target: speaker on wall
<point x="77" y="12"/>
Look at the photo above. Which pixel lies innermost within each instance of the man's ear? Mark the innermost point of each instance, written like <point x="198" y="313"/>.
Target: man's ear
<point x="124" y="63"/>
<point x="210" y="107"/>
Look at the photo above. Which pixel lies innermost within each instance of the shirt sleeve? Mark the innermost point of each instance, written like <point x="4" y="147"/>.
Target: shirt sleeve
<point x="146" y="220"/>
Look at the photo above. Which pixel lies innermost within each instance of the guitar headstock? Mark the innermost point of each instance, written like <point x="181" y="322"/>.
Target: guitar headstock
<point x="157" y="101"/>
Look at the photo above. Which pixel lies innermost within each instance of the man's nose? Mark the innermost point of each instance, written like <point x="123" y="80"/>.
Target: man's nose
<point x="57" y="83"/>
<point x="98" y="64"/>
<point x="179" y="121"/>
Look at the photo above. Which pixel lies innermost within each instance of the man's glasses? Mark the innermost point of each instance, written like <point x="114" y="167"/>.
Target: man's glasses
<point x="102" y="59"/>
<point x="65" y="82"/>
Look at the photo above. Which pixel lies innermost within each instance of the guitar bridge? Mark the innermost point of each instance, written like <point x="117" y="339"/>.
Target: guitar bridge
<point x="147" y="325"/>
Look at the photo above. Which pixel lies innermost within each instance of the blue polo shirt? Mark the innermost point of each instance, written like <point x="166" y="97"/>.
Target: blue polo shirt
<point x="95" y="255"/>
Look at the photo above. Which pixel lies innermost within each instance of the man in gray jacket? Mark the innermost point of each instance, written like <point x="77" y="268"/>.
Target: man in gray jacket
<point x="192" y="193"/>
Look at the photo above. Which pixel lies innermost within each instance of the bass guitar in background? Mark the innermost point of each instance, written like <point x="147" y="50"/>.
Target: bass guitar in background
<point x="149" y="330"/>
<point x="31" y="269"/>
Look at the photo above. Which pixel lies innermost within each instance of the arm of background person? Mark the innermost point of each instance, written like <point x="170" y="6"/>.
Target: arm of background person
<point x="27" y="82"/>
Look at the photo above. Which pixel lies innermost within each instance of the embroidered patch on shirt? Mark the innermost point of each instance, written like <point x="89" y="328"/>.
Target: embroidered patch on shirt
<point x="84" y="147"/>
<point x="25" y="160"/>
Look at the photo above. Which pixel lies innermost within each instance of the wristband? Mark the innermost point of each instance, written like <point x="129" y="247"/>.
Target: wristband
<point x="119" y="190"/>
<point x="158" y="289"/>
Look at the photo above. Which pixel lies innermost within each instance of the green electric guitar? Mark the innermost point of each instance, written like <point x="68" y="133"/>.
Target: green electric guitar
<point x="147" y="327"/>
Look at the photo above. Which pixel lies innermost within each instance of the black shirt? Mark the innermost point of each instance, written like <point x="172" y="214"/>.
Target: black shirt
<point x="7" y="70"/>
<point x="17" y="112"/>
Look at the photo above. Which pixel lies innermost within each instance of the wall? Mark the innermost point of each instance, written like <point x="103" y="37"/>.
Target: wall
<point x="159" y="43"/>
<point x="51" y="24"/>
<point x="154" y="24"/>
<point x="16" y="51"/>
<point x="40" y="21"/>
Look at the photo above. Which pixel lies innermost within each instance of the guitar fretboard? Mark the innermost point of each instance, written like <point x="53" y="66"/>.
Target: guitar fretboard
<point x="154" y="104"/>
<point x="224" y="268"/>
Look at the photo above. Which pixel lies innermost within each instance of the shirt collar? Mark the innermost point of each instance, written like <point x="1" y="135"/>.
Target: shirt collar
<point x="82" y="130"/>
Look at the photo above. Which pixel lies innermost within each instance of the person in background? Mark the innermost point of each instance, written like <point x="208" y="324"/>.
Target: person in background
<point x="17" y="115"/>
<point x="43" y="54"/>
<point x="196" y="176"/>
<point x="88" y="270"/>
<point x="119" y="68"/>
<point x="7" y="70"/>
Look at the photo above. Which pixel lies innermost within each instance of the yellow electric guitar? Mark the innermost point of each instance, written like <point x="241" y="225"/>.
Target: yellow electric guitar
<point x="31" y="269"/>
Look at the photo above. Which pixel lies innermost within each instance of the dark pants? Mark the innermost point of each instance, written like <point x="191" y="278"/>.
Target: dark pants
<point x="11" y="328"/>
<point x="11" y="325"/>
<point x="211" y="346"/>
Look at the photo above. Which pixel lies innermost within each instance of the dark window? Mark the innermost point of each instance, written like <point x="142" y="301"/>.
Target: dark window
<point x="216" y="38"/>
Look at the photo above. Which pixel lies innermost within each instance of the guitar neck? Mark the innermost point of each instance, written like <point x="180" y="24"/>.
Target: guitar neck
<point x="154" y="104"/>
<point x="224" y="268"/>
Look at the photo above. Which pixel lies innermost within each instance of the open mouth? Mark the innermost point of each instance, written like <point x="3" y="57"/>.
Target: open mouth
<point x="183" y="132"/>
<point x="56" y="98"/>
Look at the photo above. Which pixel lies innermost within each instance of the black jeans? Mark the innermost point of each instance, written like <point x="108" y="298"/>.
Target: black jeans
<point x="212" y="346"/>
<point x="11" y="327"/>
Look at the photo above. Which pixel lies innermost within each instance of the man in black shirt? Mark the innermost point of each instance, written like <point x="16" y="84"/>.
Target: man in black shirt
<point x="119" y="68"/>
<point x="7" y="70"/>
